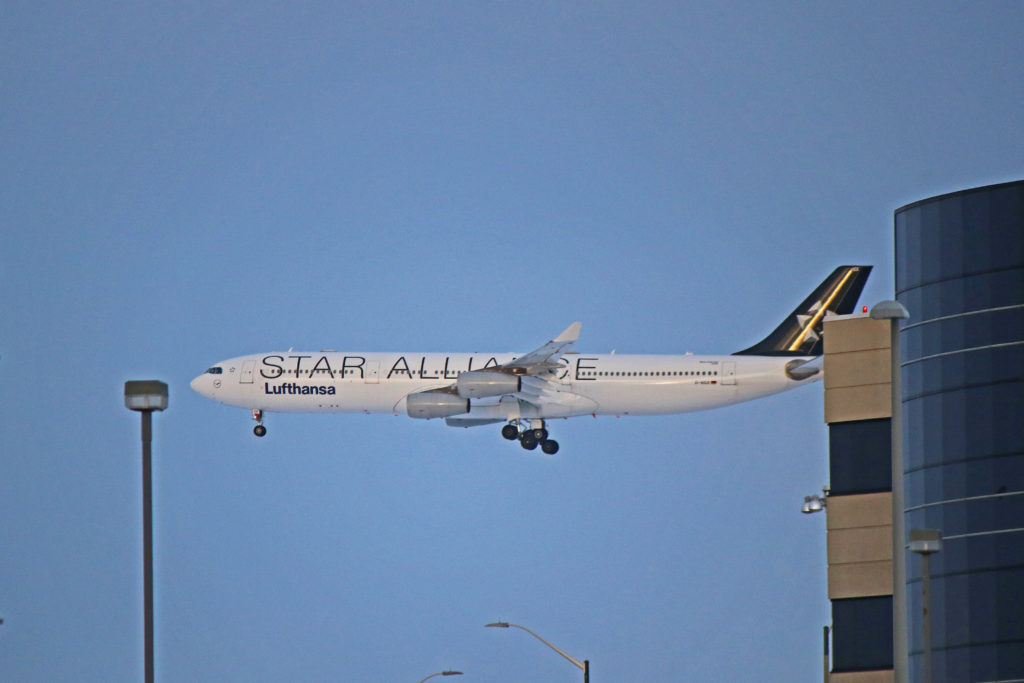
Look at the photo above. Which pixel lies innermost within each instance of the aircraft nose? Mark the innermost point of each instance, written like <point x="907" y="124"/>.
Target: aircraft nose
<point x="205" y="384"/>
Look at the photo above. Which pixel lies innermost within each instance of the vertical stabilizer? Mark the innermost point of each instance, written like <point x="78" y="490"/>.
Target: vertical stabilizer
<point x="800" y="333"/>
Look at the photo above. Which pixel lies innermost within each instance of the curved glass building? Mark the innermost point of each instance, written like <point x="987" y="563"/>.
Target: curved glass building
<point x="960" y="274"/>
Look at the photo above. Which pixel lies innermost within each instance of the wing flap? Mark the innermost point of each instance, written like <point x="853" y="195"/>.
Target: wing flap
<point x="541" y="393"/>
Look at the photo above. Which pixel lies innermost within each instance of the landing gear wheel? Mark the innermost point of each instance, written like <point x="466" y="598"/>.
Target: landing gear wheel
<point x="510" y="432"/>
<point x="259" y="429"/>
<point x="550" y="446"/>
<point x="528" y="441"/>
<point x="540" y="434"/>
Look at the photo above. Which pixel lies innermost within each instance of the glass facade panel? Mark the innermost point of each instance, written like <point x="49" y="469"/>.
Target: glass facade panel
<point x="977" y="632"/>
<point x="860" y="456"/>
<point x="958" y="257"/>
<point x="972" y="516"/>
<point x="981" y="367"/>
<point x="976" y="292"/>
<point x="994" y="326"/>
<point x="964" y="479"/>
<point x="960" y="234"/>
<point x="963" y="424"/>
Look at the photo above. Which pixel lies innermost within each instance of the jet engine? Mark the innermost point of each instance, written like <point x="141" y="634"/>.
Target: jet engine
<point x="429" y="404"/>
<point x="479" y="383"/>
<point x="802" y="369"/>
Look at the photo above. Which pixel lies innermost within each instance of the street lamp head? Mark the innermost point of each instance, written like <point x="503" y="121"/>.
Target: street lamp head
<point x="816" y="503"/>
<point x="147" y="394"/>
<point x="497" y="624"/>
<point x="441" y="673"/>
<point x="887" y="310"/>
<point x="925" y="541"/>
<point x="812" y="504"/>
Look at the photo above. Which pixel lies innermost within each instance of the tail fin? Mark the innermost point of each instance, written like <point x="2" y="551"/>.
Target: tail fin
<point x="800" y="333"/>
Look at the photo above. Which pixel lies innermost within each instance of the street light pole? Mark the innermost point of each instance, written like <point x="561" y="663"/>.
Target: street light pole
<point x="145" y="397"/>
<point x="894" y="311"/>
<point x="147" y="535"/>
<point x="924" y="542"/>
<point x="584" y="665"/>
<point x="825" y="679"/>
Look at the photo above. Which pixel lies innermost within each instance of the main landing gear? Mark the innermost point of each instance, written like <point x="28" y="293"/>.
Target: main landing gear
<point x="259" y="429"/>
<point x="530" y="438"/>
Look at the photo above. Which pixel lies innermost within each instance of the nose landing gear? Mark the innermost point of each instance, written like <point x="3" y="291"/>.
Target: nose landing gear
<point x="259" y="429"/>
<point x="536" y="435"/>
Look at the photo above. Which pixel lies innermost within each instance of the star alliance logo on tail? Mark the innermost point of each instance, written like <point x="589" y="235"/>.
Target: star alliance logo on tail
<point x="808" y="322"/>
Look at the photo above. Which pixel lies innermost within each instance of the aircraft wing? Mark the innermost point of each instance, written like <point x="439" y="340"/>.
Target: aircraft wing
<point x="535" y="391"/>
<point x="540" y="360"/>
<point x="540" y="392"/>
<point x="519" y="381"/>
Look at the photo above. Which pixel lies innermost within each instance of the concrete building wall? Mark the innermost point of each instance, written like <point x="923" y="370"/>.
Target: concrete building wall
<point x="858" y="405"/>
<point x="859" y="545"/>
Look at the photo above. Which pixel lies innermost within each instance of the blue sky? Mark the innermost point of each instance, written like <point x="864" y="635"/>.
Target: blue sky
<point x="184" y="182"/>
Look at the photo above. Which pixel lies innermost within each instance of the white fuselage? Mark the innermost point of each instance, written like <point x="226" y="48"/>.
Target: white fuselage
<point x="585" y="384"/>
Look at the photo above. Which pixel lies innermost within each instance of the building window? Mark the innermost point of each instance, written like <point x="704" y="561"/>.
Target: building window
<point x="860" y="456"/>
<point x="862" y="634"/>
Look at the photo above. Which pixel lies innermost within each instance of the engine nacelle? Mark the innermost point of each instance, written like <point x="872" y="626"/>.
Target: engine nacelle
<point x="480" y="383"/>
<point x="428" y="404"/>
<point x="802" y="369"/>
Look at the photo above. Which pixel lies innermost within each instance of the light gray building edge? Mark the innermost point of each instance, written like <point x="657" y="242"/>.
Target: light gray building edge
<point x="960" y="274"/>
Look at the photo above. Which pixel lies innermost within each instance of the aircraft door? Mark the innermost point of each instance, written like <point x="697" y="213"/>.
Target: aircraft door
<point x="246" y="376"/>
<point x="729" y="372"/>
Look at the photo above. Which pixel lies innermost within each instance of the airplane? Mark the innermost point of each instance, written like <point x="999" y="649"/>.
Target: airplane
<point x="526" y="391"/>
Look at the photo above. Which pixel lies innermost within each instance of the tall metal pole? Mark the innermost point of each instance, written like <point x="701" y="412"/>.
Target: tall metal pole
<point x="146" y="396"/>
<point x="825" y="679"/>
<point x="147" y="535"/>
<point x="584" y="665"/>
<point x="924" y="542"/>
<point x="893" y="311"/>
<point x="926" y="614"/>
<point x="899" y="557"/>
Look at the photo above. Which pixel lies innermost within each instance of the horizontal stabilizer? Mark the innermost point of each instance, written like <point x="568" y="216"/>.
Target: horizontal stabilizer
<point x="800" y="369"/>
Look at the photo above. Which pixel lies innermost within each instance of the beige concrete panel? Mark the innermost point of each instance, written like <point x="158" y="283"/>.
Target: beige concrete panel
<point x="865" y="509"/>
<point x="866" y="544"/>
<point x="858" y="368"/>
<point x="855" y="334"/>
<point x="885" y="676"/>
<point x="859" y="579"/>
<point x="845" y="404"/>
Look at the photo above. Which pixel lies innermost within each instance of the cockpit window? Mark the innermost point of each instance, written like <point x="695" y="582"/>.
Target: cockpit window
<point x="216" y="370"/>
